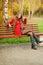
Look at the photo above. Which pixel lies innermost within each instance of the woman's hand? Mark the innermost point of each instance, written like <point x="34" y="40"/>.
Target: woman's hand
<point x="9" y="25"/>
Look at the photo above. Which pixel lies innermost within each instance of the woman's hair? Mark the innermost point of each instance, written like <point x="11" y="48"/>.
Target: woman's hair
<point x="19" y="16"/>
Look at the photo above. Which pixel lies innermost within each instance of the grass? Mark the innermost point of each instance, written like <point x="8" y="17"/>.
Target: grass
<point x="22" y="39"/>
<point x="40" y="25"/>
<point x="14" y="40"/>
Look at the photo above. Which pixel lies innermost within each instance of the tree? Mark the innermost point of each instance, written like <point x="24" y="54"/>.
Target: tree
<point x="0" y="4"/>
<point x="21" y="2"/>
<point x="33" y="7"/>
<point x="29" y="4"/>
<point x="6" y="11"/>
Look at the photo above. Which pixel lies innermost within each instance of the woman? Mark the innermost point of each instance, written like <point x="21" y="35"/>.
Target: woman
<point x="19" y="30"/>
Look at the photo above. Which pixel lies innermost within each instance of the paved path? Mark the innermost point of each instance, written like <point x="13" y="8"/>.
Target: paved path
<point x="34" y="20"/>
<point x="20" y="55"/>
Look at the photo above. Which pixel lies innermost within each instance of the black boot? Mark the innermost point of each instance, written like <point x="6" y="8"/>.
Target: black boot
<point x="33" y="47"/>
<point x="37" y="38"/>
<point x="40" y="41"/>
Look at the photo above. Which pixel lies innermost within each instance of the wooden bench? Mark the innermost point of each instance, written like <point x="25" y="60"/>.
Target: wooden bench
<point x="8" y="32"/>
<point x="35" y="29"/>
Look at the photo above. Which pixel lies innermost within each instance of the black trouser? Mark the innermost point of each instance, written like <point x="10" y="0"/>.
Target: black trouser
<point x="32" y="37"/>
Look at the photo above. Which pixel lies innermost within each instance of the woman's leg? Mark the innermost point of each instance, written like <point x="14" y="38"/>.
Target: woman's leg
<point x="33" y="46"/>
<point x="36" y="38"/>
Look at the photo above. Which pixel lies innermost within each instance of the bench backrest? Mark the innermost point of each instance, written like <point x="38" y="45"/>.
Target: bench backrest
<point x="35" y="28"/>
<point x="4" y="30"/>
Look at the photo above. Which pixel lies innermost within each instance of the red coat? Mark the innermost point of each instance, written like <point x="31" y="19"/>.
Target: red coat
<point x="17" y="28"/>
<point x="25" y="21"/>
<point x="11" y="21"/>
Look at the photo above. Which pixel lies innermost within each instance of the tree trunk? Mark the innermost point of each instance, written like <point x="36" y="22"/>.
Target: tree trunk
<point x="21" y="6"/>
<point x="29" y="12"/>
<point x="6" y="11"/>
<point x="33" y="8"/>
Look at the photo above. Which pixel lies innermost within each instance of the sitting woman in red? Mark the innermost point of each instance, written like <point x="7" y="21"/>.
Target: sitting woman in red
<point x="18" y="30"/>
<point x="17" y="26"/>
